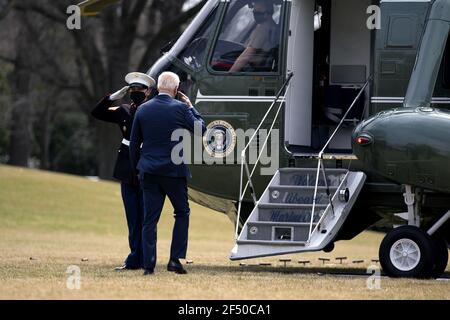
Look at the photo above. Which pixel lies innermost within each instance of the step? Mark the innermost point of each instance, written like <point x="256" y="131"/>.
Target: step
<point x="278" y="231"/>
<point x="299" y="213"/>
<point x="265" y="242"/>
<point x="299" y="194"/>
<point x="281" y="223"/>
<point x="307" y="177"/>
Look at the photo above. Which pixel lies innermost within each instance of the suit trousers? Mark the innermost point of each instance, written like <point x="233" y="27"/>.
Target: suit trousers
<point x="155" y="189"/>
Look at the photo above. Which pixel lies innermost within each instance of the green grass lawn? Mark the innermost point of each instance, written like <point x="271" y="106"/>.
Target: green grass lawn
<point x="49" y="222"/>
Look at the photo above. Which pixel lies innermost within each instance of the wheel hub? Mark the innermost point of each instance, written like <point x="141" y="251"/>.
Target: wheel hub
<point x="405" y="254"/>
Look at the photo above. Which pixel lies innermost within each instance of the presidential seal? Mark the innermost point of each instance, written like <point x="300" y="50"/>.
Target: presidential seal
<point x="220" y="139"/>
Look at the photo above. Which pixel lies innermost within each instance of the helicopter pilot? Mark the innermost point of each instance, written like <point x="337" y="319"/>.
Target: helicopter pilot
<point x="263" y="39"/>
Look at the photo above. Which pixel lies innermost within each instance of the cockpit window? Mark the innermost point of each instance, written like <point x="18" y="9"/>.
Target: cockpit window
<point x="249" y="39"/>
<point x="446" y="66"/>
<point x="194" y="53"/>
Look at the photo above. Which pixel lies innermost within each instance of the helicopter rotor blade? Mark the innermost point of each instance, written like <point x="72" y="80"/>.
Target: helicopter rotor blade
<point x="94" y="7"/>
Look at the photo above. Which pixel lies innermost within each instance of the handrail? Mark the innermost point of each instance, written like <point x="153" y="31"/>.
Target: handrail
<point x="345" y="116"/>
<point x="331" y="203"/>
<point x="288" y="79"/>
<point x="321" y="167"/>
<point x="244" y="164"/>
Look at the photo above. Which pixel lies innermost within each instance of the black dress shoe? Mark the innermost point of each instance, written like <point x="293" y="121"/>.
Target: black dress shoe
<point x="148" y="272"/>
<point x="176" y="266"/>
<point x="125" y="268"/>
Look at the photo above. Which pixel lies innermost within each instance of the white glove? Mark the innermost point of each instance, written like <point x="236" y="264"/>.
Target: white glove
<point x="318" y="19"/>
<point x="119" y="94"/>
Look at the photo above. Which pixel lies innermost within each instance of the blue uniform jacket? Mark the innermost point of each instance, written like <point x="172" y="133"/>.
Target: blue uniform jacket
<point x="154" y="123"/>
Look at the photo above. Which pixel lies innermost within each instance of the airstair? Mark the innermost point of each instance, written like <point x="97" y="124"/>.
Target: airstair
<point x="287" y="219"/>
<point x="302" y="209"/>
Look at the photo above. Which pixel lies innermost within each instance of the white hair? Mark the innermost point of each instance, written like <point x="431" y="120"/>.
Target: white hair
<point x="168" y="81"/>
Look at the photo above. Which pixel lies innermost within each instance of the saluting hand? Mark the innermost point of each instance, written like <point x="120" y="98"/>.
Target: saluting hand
<point x="119" y="94"/>
<point x="185" y="99"/>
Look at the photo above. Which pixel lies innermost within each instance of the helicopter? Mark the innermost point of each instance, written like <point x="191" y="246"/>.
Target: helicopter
<point x="94" y="7"/>
<point x="356" y="116"/>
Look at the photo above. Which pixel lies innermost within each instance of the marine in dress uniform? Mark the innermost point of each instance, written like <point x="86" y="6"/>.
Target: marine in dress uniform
<point x="139" y="89"/>
<point x="159" y="174"/>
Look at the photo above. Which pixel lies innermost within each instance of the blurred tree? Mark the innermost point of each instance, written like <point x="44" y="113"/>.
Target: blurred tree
<point x="20" y="142"/>
<point x="91" y="62"/>
<point x="5" y="7"/>
<point x="4" y="112"/>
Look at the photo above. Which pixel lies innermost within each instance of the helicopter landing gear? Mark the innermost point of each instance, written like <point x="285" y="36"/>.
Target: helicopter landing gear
<point x="441" y="257"/>
<point x="440" y="247"/>
<point x="412" y="198"/>
<point x="411" y="252"/>
<point x="407" y="252"/>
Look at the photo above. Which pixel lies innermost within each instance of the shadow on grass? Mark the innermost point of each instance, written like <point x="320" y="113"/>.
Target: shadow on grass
<point x="319" y="271"/>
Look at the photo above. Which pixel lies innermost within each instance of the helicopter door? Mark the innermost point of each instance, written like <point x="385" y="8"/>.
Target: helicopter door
<point x="300" y="61"/>
<point x="331" y="62"/>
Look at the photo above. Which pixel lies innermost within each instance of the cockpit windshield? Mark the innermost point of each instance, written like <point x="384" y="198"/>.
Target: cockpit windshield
<point x="250" y="37"/>
<point x="193" y="29"/>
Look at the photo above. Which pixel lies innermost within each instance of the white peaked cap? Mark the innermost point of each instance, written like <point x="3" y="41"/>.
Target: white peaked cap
<point x="141" y="78"/>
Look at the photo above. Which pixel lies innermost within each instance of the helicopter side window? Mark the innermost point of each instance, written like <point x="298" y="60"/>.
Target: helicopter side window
<point x="249" y="39"/>
<point x="194" y="53"/>
<point x="446" y="66"/>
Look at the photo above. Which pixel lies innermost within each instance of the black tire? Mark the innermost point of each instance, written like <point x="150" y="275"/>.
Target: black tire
<point x="440" y="257"/>
<point x="329" y="248"/>
<point x="421" y="239"/>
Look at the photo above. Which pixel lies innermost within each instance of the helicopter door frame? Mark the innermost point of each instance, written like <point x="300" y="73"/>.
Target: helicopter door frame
<point x="347" y="73"/>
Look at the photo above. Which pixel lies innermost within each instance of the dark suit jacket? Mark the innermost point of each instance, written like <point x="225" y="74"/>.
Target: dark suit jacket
<point x="153" y="126"/>
<point x="122" y="116"/>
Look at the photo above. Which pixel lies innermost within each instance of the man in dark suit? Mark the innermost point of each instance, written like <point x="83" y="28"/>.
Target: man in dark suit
<point x="159" y="173"/>
<point x="139" y="89"/>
